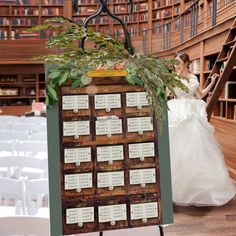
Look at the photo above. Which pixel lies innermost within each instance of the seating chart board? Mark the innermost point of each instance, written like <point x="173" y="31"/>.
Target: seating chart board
<point x="109" y="158"/>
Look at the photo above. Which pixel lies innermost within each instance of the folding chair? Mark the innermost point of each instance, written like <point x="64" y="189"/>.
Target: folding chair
<point x="10" y="119"/>
<point x="24" y="166"/>
<point x="11" y="190"/>
<point x="40" y="136"/>
<point x="31" y="148"/>
<point x="36" y="192"/>
<point x="11" y="135"/>
<point x="27" y="127"/>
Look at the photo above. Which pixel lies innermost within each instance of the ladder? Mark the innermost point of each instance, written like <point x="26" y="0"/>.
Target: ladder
<point x="227" y="55"/>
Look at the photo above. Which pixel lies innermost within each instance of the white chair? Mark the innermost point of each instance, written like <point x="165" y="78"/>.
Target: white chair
<point x="37" y="192"/>
<point x="27" y="127"/>
<point x="40" y="136"/>
<point x="24" y="166"/>
<point x="24" y="225"/>
<point x="10" y="119"/>
<point x="11" y="190"/>
<point x="4" y="125"/>
<point x="31" y="148"/>
<point x="6" y="148"/>
<point x="10" y="135"/>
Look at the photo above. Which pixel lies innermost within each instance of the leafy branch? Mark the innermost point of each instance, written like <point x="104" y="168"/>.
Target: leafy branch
<point x="72" y="63"/>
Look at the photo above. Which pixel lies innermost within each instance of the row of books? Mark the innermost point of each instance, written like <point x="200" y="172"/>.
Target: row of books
<point x="32" y="2"/>
<point x="25" y="11"/>
<point x="18" y="21"/>
<point x="22" y="34"/>
<point x="163" y="3"/>
<point x="161" y="14"/>
<point x="87" y="1"/>
<point x="105" y="19"/>
<point x="97" y="20"/>
<point x="157" y="29"/>
<point x="53" y="11"/>
<point x="53" y="2"/>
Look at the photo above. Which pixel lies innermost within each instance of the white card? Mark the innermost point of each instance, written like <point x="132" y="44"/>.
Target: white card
<point x="77" y="155"/>
<point x="144" y="210"/>
<point x="110" y="179"/>
<point x="79" y="215"/>
<point x="139" y="150"/>
<point x="108" y="126"/>
<point x="78" y="181"/>
<point x="112" y="213"/>
<point x="136" y="99"/>
<point x="74" y="128"/>
<point x="75" y="102"/>
<point x="140" y="124"/>
<point x="107" y="101"/>
<point x="142" y="176"/>
<point x="110" y="153"/>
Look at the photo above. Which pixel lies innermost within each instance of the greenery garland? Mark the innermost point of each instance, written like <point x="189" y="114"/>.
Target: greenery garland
<point x="73" y="63"/>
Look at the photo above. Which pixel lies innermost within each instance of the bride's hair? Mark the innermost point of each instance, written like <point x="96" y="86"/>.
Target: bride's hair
<point x="185" y="57"/>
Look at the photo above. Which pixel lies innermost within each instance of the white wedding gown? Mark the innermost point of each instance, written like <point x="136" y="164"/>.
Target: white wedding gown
<point x="199" y="174"/>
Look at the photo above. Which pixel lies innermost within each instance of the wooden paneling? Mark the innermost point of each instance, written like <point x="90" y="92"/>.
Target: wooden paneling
<point x="13" y="110"/>
<point x="22" y="50"/>
<point x="225" y="132"/>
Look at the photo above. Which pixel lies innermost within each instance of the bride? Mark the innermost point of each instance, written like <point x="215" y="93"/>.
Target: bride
<point x="199" y="174"/>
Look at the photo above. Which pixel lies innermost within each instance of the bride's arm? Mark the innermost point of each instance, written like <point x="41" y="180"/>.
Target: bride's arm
<point x="202" y="93"/>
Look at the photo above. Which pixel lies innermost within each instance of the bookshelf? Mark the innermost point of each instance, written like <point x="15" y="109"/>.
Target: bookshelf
<point x="226" y="106"/>
<point x="20" y="85"/>
<point x="164" y="11"/>
<point x="134" y="23"/>
<point x="16" y="16"/>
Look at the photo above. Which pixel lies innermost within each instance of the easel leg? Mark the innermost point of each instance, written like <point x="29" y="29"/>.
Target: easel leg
<point x="161" y="230"/>
<point x="100" y="233"/>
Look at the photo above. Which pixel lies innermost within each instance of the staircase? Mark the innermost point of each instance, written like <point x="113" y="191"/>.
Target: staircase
<point x="227" y="56"/>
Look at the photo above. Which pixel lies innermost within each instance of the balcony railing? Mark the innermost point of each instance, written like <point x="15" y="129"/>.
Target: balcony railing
<point x="193" y="21"/>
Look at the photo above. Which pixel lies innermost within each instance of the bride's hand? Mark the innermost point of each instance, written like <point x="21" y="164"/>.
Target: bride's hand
<point x="214" y="78"/>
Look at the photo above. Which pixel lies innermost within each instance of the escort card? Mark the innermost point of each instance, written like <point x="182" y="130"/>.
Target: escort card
<point x="137" y="99"/>
<point x="110" y="179"/>
<point x="78" y="181"/>
<point x="75" y="102"/>
<point x="140" y="124"/>
<point x="76" y="128"/>
<point x="141" y="150"/>
<point x="110" y="153"/>
<point x="112" y="213"/>
<point x="107" y="101"/>
<point x="79" y="215"/>
<point x="142" y="176"/>
<point x="108" y="126"/>
<point x="77" y="155"/>
<point x="144" y="211"/>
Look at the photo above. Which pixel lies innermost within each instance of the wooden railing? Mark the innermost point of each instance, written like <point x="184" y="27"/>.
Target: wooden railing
<point x="191" y="23"/>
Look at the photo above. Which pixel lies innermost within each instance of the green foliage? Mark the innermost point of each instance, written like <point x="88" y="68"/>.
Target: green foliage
<point x="72" y="63"/>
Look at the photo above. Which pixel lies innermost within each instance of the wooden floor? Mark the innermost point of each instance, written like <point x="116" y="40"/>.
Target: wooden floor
<point x="204" y="221"/>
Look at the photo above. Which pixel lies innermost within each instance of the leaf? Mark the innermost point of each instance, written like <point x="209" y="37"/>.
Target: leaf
<point x="64" y="77"/>
<point x="137" y="80"/>
<point x="76" y="84"/>
<point x="52" y="92"/>
<point x="130" y="80"/>
<point x="74" y="72"/>
<point x="54" y="74"/>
